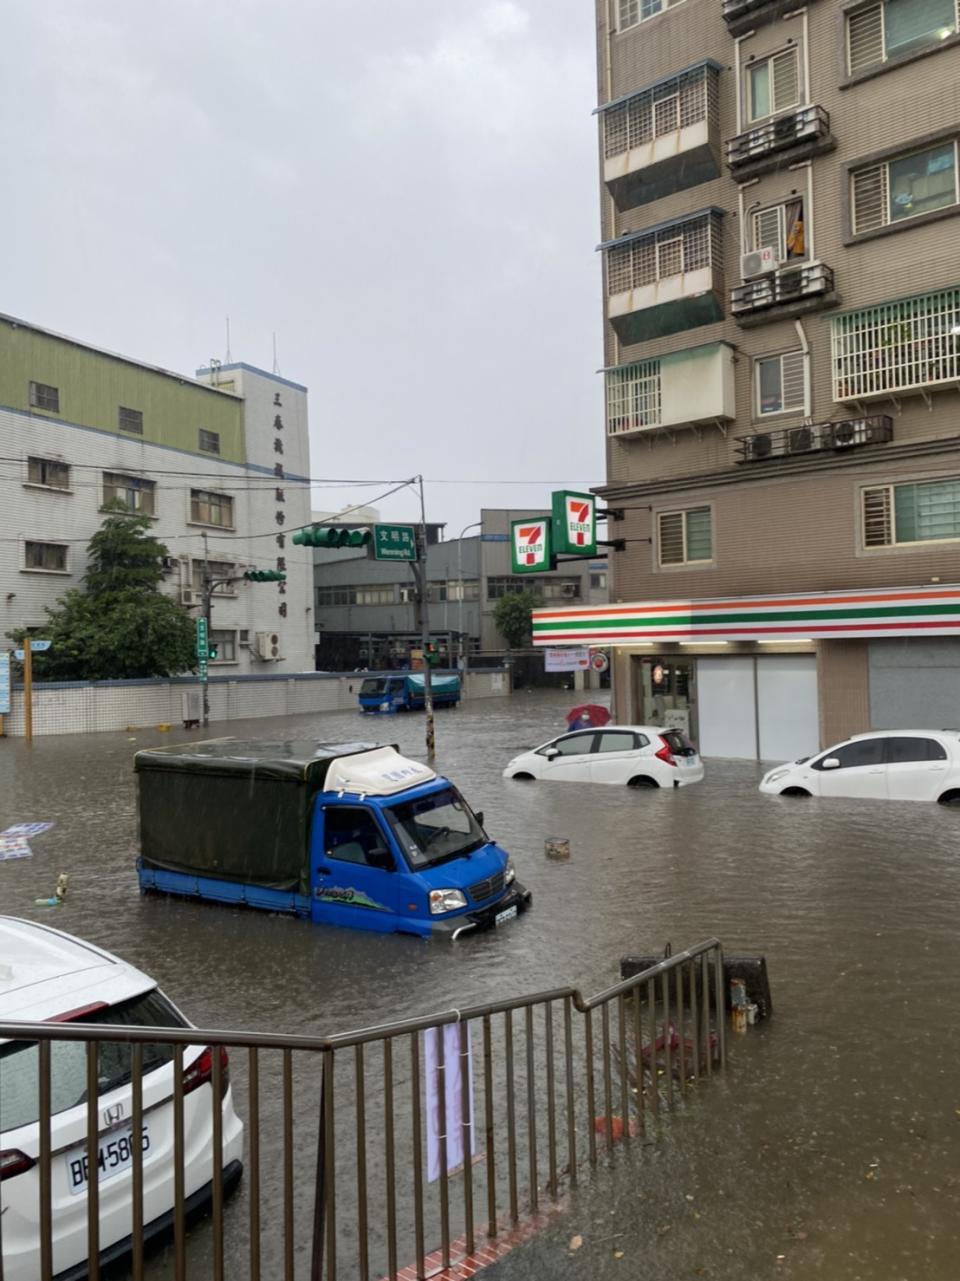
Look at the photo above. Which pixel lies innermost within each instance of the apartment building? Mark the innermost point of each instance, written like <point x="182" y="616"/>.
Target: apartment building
<point x="366" y="612"/>
<point x="219" y="462"/>
<point x="781" y="265"/>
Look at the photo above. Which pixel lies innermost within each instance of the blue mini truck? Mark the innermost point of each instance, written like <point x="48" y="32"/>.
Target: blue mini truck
<point x="343" y="833"/>
<point x="404" y="692"/>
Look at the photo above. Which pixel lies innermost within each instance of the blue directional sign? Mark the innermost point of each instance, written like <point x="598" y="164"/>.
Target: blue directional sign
<point x="4" y="684"/>
<point x="494" y="538"/>
<point x="36" y="647"/>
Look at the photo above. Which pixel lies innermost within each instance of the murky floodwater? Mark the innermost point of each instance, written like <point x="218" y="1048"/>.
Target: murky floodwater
<point x="834" y="1141"/>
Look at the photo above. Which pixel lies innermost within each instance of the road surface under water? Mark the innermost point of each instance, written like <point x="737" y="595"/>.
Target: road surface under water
<point x="830" y="1149"/>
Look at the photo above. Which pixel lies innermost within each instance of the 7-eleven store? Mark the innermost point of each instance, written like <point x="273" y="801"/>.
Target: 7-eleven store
<point x="776" y="677"/>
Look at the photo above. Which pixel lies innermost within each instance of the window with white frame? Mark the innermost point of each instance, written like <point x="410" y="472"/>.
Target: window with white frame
<point x="632" y="12"/>
<point x="922" y="512"/>
<point x="898" y="346"/>
<point x="905" y="187"/>
<point x="210" y="508"/>
<point x="780" y="383"/>
<point x="895" y="28"/>
<point x="48" y="472"/>
<point x="469" y="589"/>
<point x="216" y="569"/>
<point x="381" y="595"/>
<point x="772" y="84"/>
<point x="598" y="580"/>
<point x="685" y="537"/>
<point x="781" y="228"/>
<point x="633" y="397"/>
<point x="43" y="396"/>
<point x="225" y="643"/>
<point x="50" y="558"/>
<point x="135" y="493"/>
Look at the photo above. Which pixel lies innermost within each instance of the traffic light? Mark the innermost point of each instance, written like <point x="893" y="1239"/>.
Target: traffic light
<point x="431" y="654"/>
<point x="334" y="536"/>
<point x="212" y="652"/>
<point x="265" y="576"/>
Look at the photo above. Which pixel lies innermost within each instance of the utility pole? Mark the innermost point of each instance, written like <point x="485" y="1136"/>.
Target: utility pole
<point x="420" y="575"/>
<point x="207" y="611"/>
<point x="463" y="655"/>
<point x="27" y="690"/>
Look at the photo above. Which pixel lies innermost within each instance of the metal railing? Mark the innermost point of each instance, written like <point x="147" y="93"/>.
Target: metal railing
<point x="800" y="128"/>
<point x="789" y="285"/>
<point x="336" y="1180"/>
<point x="808" y="438"/>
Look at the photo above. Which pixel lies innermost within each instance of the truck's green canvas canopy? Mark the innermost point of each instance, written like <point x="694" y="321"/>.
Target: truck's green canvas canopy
<point x="234" y="810"/>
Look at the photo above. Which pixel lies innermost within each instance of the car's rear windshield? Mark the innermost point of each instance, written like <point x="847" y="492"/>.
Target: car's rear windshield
<point x="19" y="1060"/>
<point x="678" y="742"/>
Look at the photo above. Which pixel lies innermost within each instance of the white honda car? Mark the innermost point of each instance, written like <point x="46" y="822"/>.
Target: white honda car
<point x="628" y="755"/>
<point x="896" y="765"/>
<point x="48" y="976"/>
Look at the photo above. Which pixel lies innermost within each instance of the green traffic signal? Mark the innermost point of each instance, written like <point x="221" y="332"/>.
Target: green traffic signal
<point x="265" y="576"/>
<point x="212" y="652"/>
<point x="333" y="536"/>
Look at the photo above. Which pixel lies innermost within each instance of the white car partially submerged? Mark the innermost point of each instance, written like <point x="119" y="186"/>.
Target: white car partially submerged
<point x="48" y="976"/>
<point x="896" y="765"/>
<point x="624" y="755"/>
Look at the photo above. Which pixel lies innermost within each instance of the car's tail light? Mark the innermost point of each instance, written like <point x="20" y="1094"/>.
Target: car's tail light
<point x="200" y="1072"/>
<point x="13" y="1162"/>
<point x="665" y="754"/>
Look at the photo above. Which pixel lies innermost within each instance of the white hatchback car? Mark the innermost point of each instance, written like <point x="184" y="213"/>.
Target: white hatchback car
<point x="896" y="765"/>
<point x="631" y="755"/>
<point x="48" y="976"/>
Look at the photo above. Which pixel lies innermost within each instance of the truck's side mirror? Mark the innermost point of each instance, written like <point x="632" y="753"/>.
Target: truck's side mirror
<point x="478" y="815"/>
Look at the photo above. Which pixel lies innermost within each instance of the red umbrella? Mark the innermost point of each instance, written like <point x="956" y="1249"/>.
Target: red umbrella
<point x="588" y="714"/>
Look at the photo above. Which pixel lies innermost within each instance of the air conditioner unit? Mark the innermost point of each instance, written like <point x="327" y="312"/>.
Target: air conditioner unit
<point x="801" y="440"/>
<point x="789" y="284"/>
<point x="186" y="596"/>
<point x="267" y="646"/>
<point x="568" y="589"/>
<point x="758" y="262"/>
<point x="759" y="446"/>
<point x="847" y="433"/>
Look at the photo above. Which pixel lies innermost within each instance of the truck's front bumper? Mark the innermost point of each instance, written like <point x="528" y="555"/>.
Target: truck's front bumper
<point x="511" y="904"/>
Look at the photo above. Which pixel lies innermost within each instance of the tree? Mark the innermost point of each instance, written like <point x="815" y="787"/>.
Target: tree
<point x="118" y="626"/>
<point x="512" y="617"/>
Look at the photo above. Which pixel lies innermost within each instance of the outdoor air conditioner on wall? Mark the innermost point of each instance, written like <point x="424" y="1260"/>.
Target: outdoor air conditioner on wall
<point x="758" y="262"/>
<point x="800" y="440"/>
<point x="186" y="596"/>
<point x="759" y="446"/>
<point x="267" y="646"/>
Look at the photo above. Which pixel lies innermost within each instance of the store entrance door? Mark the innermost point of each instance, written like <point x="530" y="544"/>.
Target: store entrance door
<point x="665" y="692"/>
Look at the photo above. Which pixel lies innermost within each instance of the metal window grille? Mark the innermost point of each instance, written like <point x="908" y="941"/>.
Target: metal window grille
<point x="136" y="494"/>
<point x="633" y="397"/>
<point x="878" y="516"/>
<point x="209" y="508"/>
<point x="785" y="79"/>
<point x="130" y="420"/>
<point x="769" y="231"/>
<point x="684" y="537"/>
<point x="43" y="396"/>
<point x="904" y="187"/>
<point x="873" y="38"/>
<point x="898" y="346"/>
<point x="865" y="38"/>
<point x="51" y="556"/>
<point x="209" y="441"/>
<point x="47" y="471"/>
<point x="681" y="101"/>
<point x="668" y="252"/>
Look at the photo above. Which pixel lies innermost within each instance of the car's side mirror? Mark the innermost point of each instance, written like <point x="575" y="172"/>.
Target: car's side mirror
<point x="830" y="763"/>
<point x="551" y="752"/>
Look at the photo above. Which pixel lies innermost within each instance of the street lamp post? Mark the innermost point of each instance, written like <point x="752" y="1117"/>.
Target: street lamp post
<point x="473" y="525"/>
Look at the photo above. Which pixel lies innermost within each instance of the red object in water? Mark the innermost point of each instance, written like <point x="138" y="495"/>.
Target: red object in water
<point x="587" y="715"/>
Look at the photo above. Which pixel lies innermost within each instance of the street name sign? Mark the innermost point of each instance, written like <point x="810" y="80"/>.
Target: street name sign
<point x="394" y="542"/>
<point x="36" y="647"/>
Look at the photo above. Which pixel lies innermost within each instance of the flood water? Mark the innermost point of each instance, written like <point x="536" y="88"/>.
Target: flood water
<point x="830" y="1147"/>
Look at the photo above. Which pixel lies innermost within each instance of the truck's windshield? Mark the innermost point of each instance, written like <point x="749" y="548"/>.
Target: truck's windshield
<point x="373" y="686"/>
<point x="435" y="827"/>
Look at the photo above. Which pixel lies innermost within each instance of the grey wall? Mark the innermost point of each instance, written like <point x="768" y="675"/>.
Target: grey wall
<point x="914" y="684"/>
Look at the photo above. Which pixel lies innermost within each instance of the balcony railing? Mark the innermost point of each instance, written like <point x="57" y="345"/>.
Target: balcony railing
<point x="741" y="15"/>
<point x="802" y="132"/>
<point x="801" y="288"/>
<point x="770" y="446"/>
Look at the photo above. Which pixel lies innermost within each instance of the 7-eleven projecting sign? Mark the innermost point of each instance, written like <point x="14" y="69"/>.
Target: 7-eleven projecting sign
<point x="574" y="524"/>
<point x="531" y="544"/>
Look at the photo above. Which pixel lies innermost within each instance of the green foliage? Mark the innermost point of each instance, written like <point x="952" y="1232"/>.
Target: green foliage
<point x="118" y="626"/>
<point x="512" y="617"/>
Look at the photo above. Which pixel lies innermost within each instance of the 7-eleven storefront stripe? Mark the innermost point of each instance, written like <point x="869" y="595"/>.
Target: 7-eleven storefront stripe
<point x="808" y="616"/>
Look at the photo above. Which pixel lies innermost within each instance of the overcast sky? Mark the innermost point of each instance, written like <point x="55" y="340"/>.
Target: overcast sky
<point x="403" y="190"/>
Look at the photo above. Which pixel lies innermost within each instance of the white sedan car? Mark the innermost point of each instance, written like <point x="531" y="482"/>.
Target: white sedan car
<point x="628" y="755"/>
<point x="896" y="765"/>
<point x="47" y="976"/>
